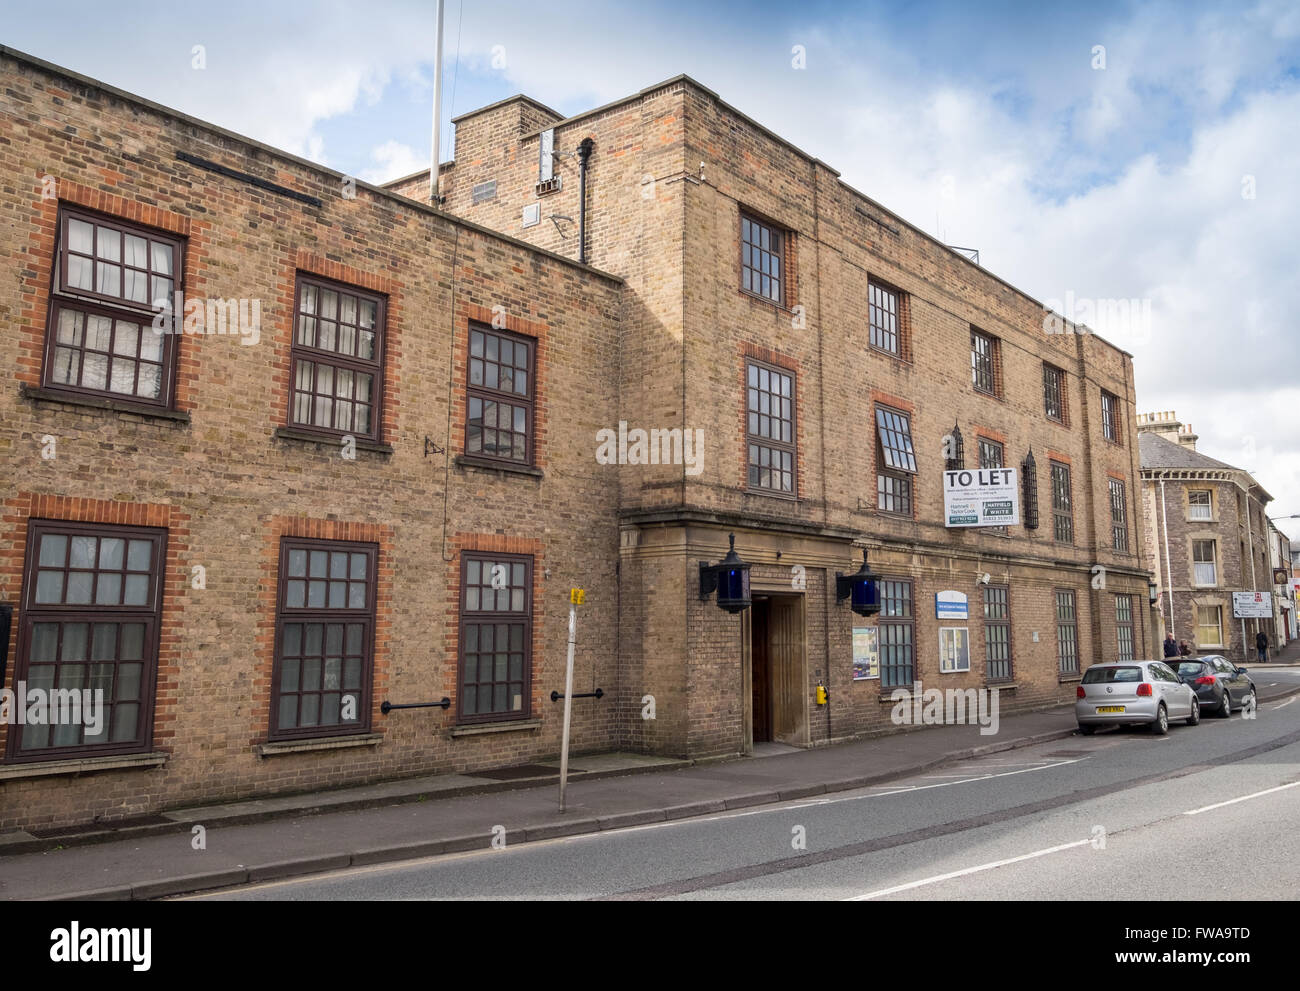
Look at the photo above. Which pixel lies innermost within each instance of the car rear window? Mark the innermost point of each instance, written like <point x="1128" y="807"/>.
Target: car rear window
<point x="1190" y="667"/>
<point x="1095" y="676"/>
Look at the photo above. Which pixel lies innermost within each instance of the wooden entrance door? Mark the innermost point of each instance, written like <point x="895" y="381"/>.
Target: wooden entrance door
<point x="785" y="654"/>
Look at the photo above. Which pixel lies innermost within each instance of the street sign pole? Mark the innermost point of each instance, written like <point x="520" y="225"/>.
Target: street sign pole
<point x="575" y="597"/>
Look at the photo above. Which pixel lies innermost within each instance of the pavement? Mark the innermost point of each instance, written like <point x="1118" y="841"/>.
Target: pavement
<point x="217" y="846"/>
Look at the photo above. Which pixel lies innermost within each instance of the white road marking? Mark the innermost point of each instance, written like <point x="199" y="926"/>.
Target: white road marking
<point x="1243" y="798"/>
<point x="1283" y="705"/>
<point x="348" y="872"/>
<point x="966" y="871"/>
<point x="945" y="784"/>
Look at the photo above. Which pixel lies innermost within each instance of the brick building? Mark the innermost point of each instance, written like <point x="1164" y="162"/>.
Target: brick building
<point x="229" y="547"/>
<point x="752" y="270"/>
<point x="1207" y="536"/>
<point x="251" y="541"/>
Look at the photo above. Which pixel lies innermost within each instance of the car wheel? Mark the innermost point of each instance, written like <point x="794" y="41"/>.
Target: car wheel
<point x="1087" y="730"/>
<point x="1195" y="717"/>
<point x="1225" y="710"/>
<point x="1161" y="725"/>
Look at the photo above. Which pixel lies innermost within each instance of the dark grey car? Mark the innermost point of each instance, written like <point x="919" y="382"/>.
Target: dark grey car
<point x="1219" y="684"/>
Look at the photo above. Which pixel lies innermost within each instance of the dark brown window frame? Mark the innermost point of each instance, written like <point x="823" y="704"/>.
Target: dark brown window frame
<point x="983" y="446"/>
<point x="148" y="615"/>
<point x="493" y="617"/>
<point x="901" y="477"/>
<point x="336" y="360"/>
<point x="753" y="439"/>
<point x="1072" y="624"/>
<point x="1118" y="515"/>
<point x="1121" y="625"/>
<point x="90" y="302"/>
<point x="994" y="363"/>
<point x="1110" y="426"/>
<point x="1001" y="623"/>
<point x="1062" y="516"/>
<point x="326" y="616"/>
<point x="1054" y="390"/>
<point x="484" y="393"/>
<point x="774" y="230"/>
<point x="986" y="444"/>
<point x="886" y="621"/>
<point x="902" y="332"/>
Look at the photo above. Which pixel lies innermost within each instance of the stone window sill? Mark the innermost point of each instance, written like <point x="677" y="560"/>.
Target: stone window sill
<point x="487" y="464"/>
<point x="83" y="765"/>
<point x="40" y="395"/>
<point x="773" y="304"/>
<point x="898" y="359"/>
<point x="307" y="437"/>
<point x="786" y="497"/>
<point x="277" y="747"/>
<point x="477" y="729"/>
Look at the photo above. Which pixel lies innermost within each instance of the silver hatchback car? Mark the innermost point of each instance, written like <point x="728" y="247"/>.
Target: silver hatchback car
<point x="1134" y="692"/>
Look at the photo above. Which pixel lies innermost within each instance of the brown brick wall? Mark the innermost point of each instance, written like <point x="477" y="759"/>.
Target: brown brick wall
<point x="226" y="488"/>
<point x="662" y="349"/>
<point x="688" y="329"/>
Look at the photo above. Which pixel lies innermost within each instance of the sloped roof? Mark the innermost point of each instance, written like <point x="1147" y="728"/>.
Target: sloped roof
<point x="1157" y="452"/>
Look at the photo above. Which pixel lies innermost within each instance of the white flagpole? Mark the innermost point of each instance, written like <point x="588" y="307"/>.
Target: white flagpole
<point x="437" y="113"/>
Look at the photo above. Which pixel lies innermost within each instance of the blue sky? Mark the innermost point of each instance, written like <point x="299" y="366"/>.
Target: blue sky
<point x="991" y="125"/>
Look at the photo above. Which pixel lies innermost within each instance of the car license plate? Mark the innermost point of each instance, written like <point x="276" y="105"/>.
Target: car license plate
<point x="1110" y="708"/>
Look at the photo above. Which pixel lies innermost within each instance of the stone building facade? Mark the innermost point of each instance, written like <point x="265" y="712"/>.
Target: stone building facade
<point x="1207" y="536"/>
<point x="252" y="541"/>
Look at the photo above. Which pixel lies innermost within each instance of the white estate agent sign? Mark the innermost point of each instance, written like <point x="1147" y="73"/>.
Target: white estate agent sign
<point x="987" y="497"/>
<point x="950" y="605"/>
<point x="1252" y="605"/>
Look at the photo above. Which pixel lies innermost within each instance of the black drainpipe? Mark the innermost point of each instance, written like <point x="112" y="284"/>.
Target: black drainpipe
<point x="584" y="153"/>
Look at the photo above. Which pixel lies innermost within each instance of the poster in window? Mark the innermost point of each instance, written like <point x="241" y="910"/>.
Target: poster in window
<point x="866" y="653"/>
<point x="954" y="649"/>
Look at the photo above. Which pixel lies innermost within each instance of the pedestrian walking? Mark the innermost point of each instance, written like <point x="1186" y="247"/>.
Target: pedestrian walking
<point x="1261" y="646"/>
<point x="1171" y="645"/>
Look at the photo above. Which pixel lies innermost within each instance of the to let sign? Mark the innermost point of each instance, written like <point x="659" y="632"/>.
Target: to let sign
<point x="983" y="497"/>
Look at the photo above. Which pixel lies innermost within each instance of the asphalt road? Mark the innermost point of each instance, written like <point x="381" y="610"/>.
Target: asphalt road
<point x="1205" y="812"/>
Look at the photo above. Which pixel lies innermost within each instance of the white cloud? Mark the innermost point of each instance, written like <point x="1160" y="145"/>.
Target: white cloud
<point x="392" y="161"/>
<point x="1117" y="183"/>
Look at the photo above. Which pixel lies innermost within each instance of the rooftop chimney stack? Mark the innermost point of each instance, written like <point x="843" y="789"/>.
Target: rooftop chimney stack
<point x="1167" y="425"/>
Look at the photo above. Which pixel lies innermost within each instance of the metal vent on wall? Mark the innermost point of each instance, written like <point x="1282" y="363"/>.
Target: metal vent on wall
<point x="547" y="180"/>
